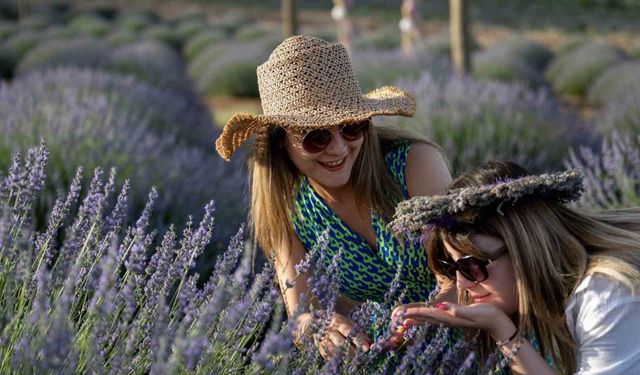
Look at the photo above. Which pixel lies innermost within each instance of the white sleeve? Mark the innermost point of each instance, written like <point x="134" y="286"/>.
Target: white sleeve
<point x="607" y="328"/>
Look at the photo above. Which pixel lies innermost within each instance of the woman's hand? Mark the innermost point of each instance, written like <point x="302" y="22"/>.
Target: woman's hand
<point x="484" y="316"/>
<point x="336" y="335"/>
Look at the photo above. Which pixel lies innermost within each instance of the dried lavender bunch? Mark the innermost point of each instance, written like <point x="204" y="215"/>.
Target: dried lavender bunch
<point x="458" y="205"/>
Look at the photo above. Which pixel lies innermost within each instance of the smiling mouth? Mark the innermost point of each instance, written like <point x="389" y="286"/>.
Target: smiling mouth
<point x="333" y="164"/>
<point x="475" y="298"/>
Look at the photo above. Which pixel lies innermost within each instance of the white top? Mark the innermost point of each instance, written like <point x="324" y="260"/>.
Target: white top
<point x="604" y="320"/>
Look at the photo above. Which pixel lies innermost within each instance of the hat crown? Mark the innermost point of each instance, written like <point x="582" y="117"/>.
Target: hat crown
<point x="306" y="74"/>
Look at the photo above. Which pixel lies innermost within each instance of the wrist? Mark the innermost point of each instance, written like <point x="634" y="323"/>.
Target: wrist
<point x="504" y="330"/>
<point x="302" y="326"/>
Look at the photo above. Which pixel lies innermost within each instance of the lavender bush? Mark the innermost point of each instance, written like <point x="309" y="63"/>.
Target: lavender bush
<point x="6" y="29"/>
<point x="90" y="25"/>
<point x="622" y="116"/>
<point x="136" y="21"/>
<point x="500" y="65"/>
<point x="37" y="21"/>
<point x="572" y="72"/>
<point x="478" y="121"/>
<point x="612" y="173"/>
<point x="165" y="34"/>
<point x="189" y="27"/>
<point x="78" y="52"/>
<point x="121" y="37"/>
<point x="233" y="73"/>
<point x="199" y="42"/>
<point x="515" y="59"/>
<point x="103" y="301"/>
<point x="154" y="137"/>
<point x="616" y="83"/>
<point x="22" y="41"/>
<point x="153" y="62"/>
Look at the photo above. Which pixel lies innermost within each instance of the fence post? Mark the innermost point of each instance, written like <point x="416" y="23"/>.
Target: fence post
<point x="289" y="18"/>
<point x="459" y="30"/>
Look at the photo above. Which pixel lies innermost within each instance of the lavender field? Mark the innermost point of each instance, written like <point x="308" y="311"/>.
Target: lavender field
<point x="123" y="248"/>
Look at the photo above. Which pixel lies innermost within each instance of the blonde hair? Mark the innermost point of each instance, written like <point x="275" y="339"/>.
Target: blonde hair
<point x="552" y="249"/>
<point x="274" y="182"/>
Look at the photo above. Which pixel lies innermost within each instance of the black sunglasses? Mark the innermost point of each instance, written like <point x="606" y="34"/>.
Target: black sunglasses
<point x="472" y="268"/>
<point x="319" y="139"/>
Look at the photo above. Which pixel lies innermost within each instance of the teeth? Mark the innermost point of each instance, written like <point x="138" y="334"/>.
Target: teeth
<point x="333" y="164"/>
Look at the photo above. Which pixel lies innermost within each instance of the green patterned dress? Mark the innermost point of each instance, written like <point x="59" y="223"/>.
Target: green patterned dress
<point x="366" y="274"/>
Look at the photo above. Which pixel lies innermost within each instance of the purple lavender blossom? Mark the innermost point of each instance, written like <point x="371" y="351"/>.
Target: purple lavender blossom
<point x="158" y="267"/>
<point x="119" y="213"/>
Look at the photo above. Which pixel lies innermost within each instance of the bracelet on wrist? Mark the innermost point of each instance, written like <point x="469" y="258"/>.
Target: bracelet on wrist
<point x="501" y="343"/>
<point x="510" y="353"/>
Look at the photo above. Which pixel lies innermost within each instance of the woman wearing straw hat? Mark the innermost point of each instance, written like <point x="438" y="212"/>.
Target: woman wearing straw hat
<point x="318" y="164"/>
<point x="545" y="286"/>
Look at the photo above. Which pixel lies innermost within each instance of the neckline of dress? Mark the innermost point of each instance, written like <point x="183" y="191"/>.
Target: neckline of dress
<point x="306" y="184"/>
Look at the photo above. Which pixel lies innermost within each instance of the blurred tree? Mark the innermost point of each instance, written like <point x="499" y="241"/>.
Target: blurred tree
<point x="289" y="18"/>
<point x="460" y="40"/>
<point x="340" y="14"/>
<point x="410" y="26"/>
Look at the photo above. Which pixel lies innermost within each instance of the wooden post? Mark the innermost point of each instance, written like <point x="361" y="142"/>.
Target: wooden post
<point x="289" y="18"/>
<point x="23" y="8"/>
<point x="459" y="30"/>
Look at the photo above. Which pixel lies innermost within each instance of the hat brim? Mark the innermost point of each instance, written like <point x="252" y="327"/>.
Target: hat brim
<point x="385" y="101"/>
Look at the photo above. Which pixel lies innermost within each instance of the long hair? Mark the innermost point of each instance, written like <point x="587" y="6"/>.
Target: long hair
<point x="552" y="249"/>
<point x="274" y="183"/>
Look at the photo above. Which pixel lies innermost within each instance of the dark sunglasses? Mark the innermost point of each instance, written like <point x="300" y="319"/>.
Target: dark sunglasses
<point x="472" y="268"/>
<point x="319" y="139"/>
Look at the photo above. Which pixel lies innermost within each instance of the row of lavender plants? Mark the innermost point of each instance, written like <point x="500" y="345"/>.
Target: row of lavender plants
<point x="141" y="43"/>
<point x="89" y="294"/>
<point x="152" y="136"/>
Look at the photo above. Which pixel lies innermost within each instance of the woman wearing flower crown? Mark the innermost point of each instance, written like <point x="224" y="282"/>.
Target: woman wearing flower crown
<point x="319" y="163"/>
<point x="549" y="288"/>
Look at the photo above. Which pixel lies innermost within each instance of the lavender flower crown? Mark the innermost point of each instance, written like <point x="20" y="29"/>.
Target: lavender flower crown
<point x="463" y="205"/>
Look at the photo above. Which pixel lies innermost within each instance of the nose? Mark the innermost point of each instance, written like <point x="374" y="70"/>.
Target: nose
<point x="338" y="144"/>
<point x="462" y="282"/>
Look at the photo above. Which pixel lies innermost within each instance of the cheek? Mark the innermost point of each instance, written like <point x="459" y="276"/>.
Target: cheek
<point x="357" y="146"/>
<point x="509" y="291"/>
<point x="296" y="156"/>
<point x="504" y="287"/>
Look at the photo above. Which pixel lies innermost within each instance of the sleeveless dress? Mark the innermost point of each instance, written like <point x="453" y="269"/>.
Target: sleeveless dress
<point x="366" y="274"/>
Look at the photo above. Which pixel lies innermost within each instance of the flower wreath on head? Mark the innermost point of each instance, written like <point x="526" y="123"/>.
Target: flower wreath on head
<point x="462" y="206"/>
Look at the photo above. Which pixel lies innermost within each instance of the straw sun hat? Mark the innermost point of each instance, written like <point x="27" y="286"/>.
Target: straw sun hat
<point x="308" y="83"/>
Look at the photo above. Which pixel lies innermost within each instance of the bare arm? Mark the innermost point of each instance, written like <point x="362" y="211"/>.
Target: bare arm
<point x="287" y="257"/>
<point x="426" y="171"/>
<point x="340" y="327"/>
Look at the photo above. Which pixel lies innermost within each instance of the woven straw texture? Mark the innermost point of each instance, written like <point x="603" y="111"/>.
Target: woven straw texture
<point x="309" y="83"/>
<point x="413" y="214"/>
